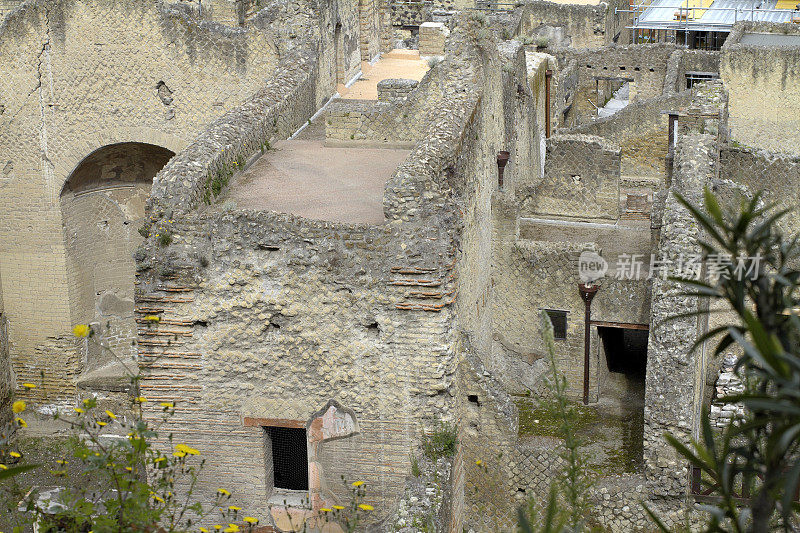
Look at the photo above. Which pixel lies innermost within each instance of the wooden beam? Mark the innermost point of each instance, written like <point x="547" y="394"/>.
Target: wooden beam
<point x="624" y="325"/>
<point x="273" y="422"/>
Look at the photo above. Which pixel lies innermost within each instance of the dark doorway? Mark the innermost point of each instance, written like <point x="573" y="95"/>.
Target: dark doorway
<point x="622" y="391"/>
<point x="289" y="457"/>
<point x="625" y="349"/>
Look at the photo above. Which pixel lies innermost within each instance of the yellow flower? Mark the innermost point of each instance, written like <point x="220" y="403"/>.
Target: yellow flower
<point x="232" y="528"/>
<point x="178" y="454"/>
<point x="21" y="422"/>
<point x="250" y="520"/>
<point x="223" y="492"/>
<point x="3" y="467"/>
<point x="338" y="507"/>
<point x="158" y="499"/>
<point x="153" y="318"/>
<point x="81" y="330"/>
<point x="234" y="508"/>
<point x="16" y="455"/>
<point x="186" y="449"/>
<point x="357" y="483"/>
<point x="78" y="410"/>
<point x="18" y="406"/>
<point x="140" y="399"/>
<point x="217" y="527"/>
<point x="325" y="510"/>
<point x="111" y="415"/>
<point x="101" y="424"/>
<point x="366" y="507"/>
<point x="62" y="461"/>
<point x="479" y="462"/>
<point x="29" y="385"/>
<point x="167" y="404"/>
<point x="86" y="402"/>
<point x="129" y="469"/>
<point x="160" y="459"/>
<point x="203" y="530"/>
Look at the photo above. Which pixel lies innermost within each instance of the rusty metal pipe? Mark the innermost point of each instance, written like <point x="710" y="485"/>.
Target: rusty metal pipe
<point x="587" y="293"/>
<point x="547" y="75"/>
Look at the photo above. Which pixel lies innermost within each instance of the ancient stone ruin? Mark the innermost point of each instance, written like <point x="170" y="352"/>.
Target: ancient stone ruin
<point x="288" y="217"/>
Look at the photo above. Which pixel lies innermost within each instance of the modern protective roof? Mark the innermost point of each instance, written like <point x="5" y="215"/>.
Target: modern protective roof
<point x="719" y="16"/>
<point x="771" y="39"/>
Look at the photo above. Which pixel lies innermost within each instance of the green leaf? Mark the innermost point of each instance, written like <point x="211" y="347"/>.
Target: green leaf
<point x="16" y="470"/>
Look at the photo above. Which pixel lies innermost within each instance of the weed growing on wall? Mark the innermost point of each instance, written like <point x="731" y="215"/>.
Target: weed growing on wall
<point x="567" y="505"/>
<point x="128" y="484"/>
<point x="441" y="442"/>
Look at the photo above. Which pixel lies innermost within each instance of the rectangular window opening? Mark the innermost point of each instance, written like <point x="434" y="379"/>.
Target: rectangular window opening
<point x="289" y="457"/>
<point x="559" y="320"/>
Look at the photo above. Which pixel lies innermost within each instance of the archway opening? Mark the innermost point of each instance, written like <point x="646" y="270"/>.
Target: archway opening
<point x="102" y="208"/>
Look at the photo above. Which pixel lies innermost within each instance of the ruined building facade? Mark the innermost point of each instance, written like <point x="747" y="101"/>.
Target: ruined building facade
<point x="335" y="346"/>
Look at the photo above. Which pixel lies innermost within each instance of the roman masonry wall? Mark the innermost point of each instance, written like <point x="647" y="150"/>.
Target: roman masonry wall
<point x="675" y="370"/>
<point x="277" y="316"/>
<point x="763" y="84"/>
<point x="77" y="76"/>
<point x="759" y="170"/>
<point x="642" y="131"/>
<point x="581" y="179"/>
<point x="565" y="25"/>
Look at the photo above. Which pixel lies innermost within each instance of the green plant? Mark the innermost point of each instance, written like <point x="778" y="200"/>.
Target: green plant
<point x="144" y="231"/>
<point x="441" y="442"/>
<point x="415" y="470"/>
<point x="542" y="42"/>
<point x="128" y="484"/>
<point x="567" y="504"/>
<point x="506" y="34"/>
<point x="760" y="285"/>
<point x="165" y="238"/>
<point x="433" y="61"/>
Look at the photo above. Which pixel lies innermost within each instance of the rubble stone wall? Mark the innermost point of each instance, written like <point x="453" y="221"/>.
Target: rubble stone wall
<point x="153" y="74"/>
<point x="763" y="83"/>
<point x="642" y="131"/>
<point x="581" y="179"/>
<point x="675" y="371"/>
<point x="565" y="25"/>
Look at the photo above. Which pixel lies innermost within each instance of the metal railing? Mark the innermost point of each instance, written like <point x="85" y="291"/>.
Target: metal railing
<point x="684" y="18"/>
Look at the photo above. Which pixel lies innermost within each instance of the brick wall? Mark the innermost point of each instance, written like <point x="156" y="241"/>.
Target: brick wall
<point x="395" y="89"/>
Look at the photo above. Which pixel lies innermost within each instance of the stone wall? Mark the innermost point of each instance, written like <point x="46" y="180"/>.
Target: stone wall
<point x="395" y="89"/>
<point x="339" y="302"/>
<point x="675" y="370"/>
<point x="6" y="385"/>
<point x="759" y="170"/>
<point x="643" y="66"/>
<point x="682" y="61"/>
<point x="581" y="179"/>
<point x="641" y="129"/>
<point x="565" y="25"/>
<point x="763" y="84"/>
<point x="431" y="38"/>
<point x="153" y="74"/>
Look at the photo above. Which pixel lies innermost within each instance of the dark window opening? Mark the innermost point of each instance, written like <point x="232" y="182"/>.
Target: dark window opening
<point x="473" y="398"/>
<point x="559" y="320"/>
<point x="696" y="77"/>
<point x="289" y="457"/>
<point x="625" y="349"/>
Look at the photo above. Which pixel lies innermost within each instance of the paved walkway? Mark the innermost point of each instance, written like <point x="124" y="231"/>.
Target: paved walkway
<point x="404" y="64"/>
<point x="304" y="177"/>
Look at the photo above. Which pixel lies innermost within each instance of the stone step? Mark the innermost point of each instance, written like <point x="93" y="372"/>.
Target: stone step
<point x="401" y="53"/>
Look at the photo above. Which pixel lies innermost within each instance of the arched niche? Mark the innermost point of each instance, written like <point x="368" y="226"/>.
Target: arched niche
<point x="102" y="208"/>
